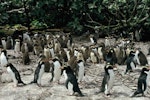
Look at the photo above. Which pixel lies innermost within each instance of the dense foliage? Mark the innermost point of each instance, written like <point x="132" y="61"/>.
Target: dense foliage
<point x="105" y="16"/>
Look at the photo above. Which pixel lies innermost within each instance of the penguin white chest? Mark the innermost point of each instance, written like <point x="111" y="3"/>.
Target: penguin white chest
<point x="4" y="44"/>
<point x="12" y="74"/>
<point x="70" y="88"/>
<point x="17" y="47"/>
<point x="92" y="40"/>
<point x="52" y="52"/>
<point x="93" y="57"/>
<point x="65" y="75"/>
<point x="110" y="82"/>
<point x="81" y="71"/>
<point x="57" y="71"/>
<point x="68" y="55"/>
<point x="3" y="60"/>
<point x="41" y="72"/>
<point x="100" y="52"/>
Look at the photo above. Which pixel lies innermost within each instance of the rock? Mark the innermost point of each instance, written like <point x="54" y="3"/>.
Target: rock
<point x="5" y="77"/>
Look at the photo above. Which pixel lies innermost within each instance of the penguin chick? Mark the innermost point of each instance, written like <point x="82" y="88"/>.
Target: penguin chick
<point x="94" y="57"/>
<point x="38" y="73"/>
<point x="142" y="58"/>
<point x="25" y="58"/>
<point x="3" y="41"/>
<point x="14" y="73"/>
<point x="71" y="82"/>
<point x="142" y="82"/>
<point x="108" y="79"/>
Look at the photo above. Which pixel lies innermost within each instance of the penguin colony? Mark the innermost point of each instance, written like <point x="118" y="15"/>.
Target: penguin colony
<point x="59" y="55"/>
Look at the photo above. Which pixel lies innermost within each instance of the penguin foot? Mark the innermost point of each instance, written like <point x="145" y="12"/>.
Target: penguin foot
<point x="108" y="95"/>
<point x="39" y="85"/>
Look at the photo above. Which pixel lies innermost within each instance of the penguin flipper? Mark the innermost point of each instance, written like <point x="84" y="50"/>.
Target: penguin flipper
<point x="145" y="85"/>
<point x="66" y="84"/>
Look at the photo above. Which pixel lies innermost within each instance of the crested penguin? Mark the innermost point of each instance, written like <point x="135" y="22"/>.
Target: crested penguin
<point x="14" y="73"/>
<point x="39" y="71"/>
<point x="142" y="82"/>
<point x="130" y="62"/>
<point x="71" y="82"/>
<point x="108" y="79"/>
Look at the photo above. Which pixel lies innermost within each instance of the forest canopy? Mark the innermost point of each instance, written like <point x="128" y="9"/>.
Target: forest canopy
<point x="103" y="16"/>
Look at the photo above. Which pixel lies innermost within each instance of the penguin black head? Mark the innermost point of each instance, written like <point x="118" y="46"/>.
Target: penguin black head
<point x="79" y="61"/>
<point x="41" y="63"/>
<point x="107" y="67"/>
<point x="4" y="51"/>
<point x="9" y="64"/>
<point x="67" y="68"/>
<point x="132" y="53"/>
<point x="145" y="70"/>
<point x="55" y="59"/>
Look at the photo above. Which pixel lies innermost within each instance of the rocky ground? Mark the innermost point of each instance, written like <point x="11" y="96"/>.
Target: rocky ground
<point x="124" y="85"/>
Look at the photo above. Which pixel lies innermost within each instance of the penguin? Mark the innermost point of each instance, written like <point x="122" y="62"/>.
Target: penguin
<point x="39" y="71"/>
<point x="24" y="47"/>
<point x="9" y="43"/>
<point x="17" y="46"/>
<point x="63" y="55"/>
<point x="94" y="57"/>
<point x="71" y="82"/>
<point x="142" y="82"/>
<point x="148" y="51"/>
<point x="142" y="58"/>
<point x="136" y="57"/>
<point x="3" y="40"/>
<point x="47" y="52"/>
<point x="37" y="49"/>
<point x="100" y="53"/>
<point x="51" y="50"/>
<point x="130" y="62"/>
<point x="56" y="70"/>
<point x="69" y="40"/>
<point x="93" y="39"/>
<point x="81" y="70"/>
<point x="80" y="56"/>
<point x="69" y="54"/>
<point x="111" y="57"/>
<point x="25" y="58"/>
<point x="3" y="58"/>
<point x="57" y="47"/>
<point x="108" y="79"/>
<point x="107" y="41"/>
<point x="14" y="73"/>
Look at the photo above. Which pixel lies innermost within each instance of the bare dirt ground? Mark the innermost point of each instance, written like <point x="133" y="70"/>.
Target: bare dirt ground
<point x="123" y="87"/>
